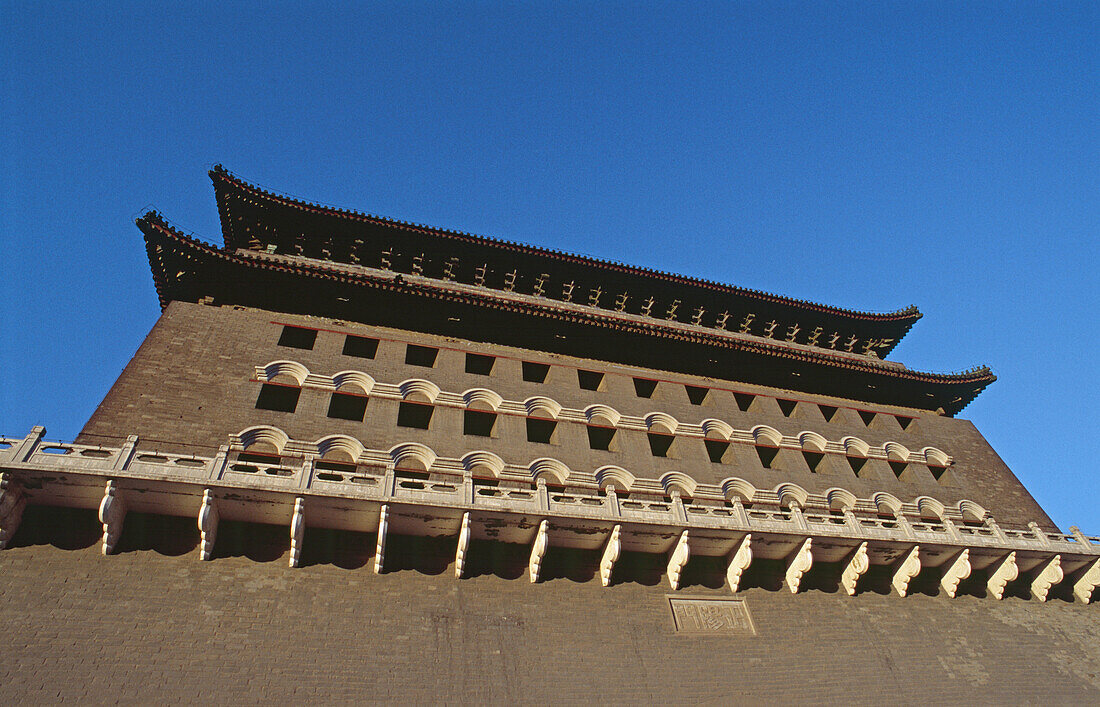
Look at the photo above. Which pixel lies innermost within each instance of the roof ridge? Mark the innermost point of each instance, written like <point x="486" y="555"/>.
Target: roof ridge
<point x="911" y="312"/>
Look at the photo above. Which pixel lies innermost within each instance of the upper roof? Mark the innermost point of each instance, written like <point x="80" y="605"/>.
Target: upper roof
<point x="186" y="269"/>
<point x="255" y="219"/>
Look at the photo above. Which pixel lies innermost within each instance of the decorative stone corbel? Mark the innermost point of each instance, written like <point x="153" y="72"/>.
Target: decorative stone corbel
<point x="677" y="559"/>
<point x="538" y="550"/>
<point x="611" y="553"/>
<point x="957" y="570"/>
<point x="1000" y="574"/>
<point x="297" y="531"/>
<point x="738" y="561"/>
<point x="463" y="545"/>
<point x="112" y="511"/>
<point x="12" y="503"/>
<point x="380" y="546"/>
<point x="208" y="525"/>
<point x="854" y="568"/>
<point x="798" y="564"/>
<point x="905" y="570"/>
<point x="1086" y="584"/>
<point x="1049" y="574"/>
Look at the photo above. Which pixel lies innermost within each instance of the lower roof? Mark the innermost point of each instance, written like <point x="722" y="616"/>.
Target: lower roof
<point x="187" y="269"/>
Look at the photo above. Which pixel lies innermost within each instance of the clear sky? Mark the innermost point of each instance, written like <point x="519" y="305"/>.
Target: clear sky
<point x="866" y="155"/>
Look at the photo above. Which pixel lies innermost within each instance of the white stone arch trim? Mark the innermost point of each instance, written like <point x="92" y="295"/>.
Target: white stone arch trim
<point x="791" y="493"/>
<point x="482" y="399"/>
<point x="855" y="447"/>
<point x="541" y="406"/>
<point x="936" y="457"/>
<point x="762" y="434"/>
<point x="549" y="469"/>
<point x="738" y="487"/>
<point x="678" y="481"/>
<point x="928" y="506"/>
<point x="840" y="499"/>
<point x="886" y="503"/>
<point x="661" y="422"/>
<point x="353" y="382"/>
<point x="812" y="441"/>
<point x="413" y="456"/>
<point x="616" y="476"/>
<point x="340" y="444"/>
<point x="483" y="461"/>
<point x="418" y="390"/>
<point x="603" y="415"/>
<point x="896" y="452"/>
<point x="969" y="510"/>
<point x="263" y="434"/>
<point x="275" y="369"/>
<point x="716" y="429"/>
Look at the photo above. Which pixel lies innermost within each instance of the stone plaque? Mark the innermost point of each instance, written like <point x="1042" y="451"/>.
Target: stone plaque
<point x="710" y="616"/>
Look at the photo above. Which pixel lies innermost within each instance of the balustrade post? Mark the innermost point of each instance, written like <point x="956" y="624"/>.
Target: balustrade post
<point x="29" y="445"/>
<point x="611" y="503"/>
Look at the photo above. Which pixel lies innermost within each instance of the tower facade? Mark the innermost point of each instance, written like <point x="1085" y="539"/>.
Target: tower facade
<point x="694" y="462"/>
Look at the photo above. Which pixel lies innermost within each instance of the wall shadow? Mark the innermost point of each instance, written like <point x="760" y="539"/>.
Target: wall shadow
<point x="64" y="528"/>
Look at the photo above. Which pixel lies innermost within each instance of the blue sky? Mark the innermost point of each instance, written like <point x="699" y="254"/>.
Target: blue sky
<point x="867" y="155"/>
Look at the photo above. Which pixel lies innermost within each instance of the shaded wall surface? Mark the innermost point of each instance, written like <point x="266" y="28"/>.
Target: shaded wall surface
<point x="155" y="624"/>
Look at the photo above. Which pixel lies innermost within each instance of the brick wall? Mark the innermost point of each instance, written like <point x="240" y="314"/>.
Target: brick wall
<point x="154" y="624"/>
<point x="192" y="384"/>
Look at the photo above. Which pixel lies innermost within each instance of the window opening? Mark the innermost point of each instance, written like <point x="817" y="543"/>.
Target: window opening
<point x="345" y="467"/>
<point x="787" y="406"/>
<point x="478" y="423"/>
<point x="696" y="395"/>
<point x="281" y="398"/>
<point x="479" y="365"/>
<point x="744" y="401"/>
<point x="898" y="467"/>
<point x="600" y="437"/>
<point x="259" y="458"/>
<point x="937" y="471"/>
<point x="535" y="372"/>
<point x="589" y="380"/>
<point x="813" y="460"/>
<point x="904" y="422"/>
<point x="868" y="417"/>
<point x="540" y="430"/>
<point x="420" y="355"/>
<point x="298" y="338"/>
<point x="767" y="456"/>
<point x="416" y="415"/>
<point x="856" y="463"/>
<point x="360" y="346"/>
<point x="643" y="387"/>
<point x="828" y="411"/>
<point x="716" y="449"/>
<point x="659" y="444"/>
<point x="344" y="406"/>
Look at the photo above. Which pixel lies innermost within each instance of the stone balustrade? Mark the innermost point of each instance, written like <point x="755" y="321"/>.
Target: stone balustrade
<point x="383" y="497"/>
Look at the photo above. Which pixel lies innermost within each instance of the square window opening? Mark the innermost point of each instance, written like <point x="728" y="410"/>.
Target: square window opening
<point x="716" y="449"/>
<point x="898" y="468"/>
<point x="415" y="415"/>
<point x="535" y="372"/>
<point x="346" y="467"/>
<point x="347" y="407"/>
<point x="937" y="471"/>
<point x="540" y="431"/>
<point x="904" y="422"/>
<point x="828" y="411"/>
<point x="420" y="355"/>
<point x="589" y="380"/>
<point x="600" y="437"/>
<point x="744" y="401"/>
<point x="281" y="398"/>
<point x="767" y="456"/>
<point x="660" y="445"/>
<point x="360" y="346"/>
<point x="643" y="387"/>
<point x="298" y="337"/>
<point x="787" y="406"/>
<point x="867" y="416"/>
<point x="479" y="364"/>
<point x="696" y="395"/>
<point x="857" y="464"/>
<point x="814" y="460"/>
<point x="478" y="423"/>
